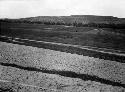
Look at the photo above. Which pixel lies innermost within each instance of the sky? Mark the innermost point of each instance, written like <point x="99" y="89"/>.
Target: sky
<point x="31" y="8"/>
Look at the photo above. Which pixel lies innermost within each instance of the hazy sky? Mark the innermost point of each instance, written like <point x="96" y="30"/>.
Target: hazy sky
<point x="29" y="8"/>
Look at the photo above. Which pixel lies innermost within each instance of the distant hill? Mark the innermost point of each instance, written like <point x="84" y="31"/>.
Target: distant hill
<point x="76" y="20"/>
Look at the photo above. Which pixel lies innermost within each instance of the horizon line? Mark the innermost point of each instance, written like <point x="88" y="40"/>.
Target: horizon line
<point x="60" y="16"/>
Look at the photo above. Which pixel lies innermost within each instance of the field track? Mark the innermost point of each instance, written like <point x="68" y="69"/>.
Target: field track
<point x="103" y="53"/>
<point x="102" y="50"/>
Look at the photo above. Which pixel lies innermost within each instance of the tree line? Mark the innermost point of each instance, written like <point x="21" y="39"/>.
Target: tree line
<point x="75" y="23"/>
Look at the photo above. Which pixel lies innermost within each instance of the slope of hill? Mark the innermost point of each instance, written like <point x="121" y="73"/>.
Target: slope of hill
<point x="77" y="18"/>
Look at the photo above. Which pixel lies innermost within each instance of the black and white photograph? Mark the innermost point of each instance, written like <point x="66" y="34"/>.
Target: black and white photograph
<point x="62" y="45"/>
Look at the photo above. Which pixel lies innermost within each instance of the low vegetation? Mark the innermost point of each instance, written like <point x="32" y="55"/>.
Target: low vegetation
<point x="88" y="36"/>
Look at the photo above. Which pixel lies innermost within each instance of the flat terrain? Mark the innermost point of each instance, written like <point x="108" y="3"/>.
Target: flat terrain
<point x="30" y="66"/>
<point x="27" y="68"/>
<point x="85" y="36"/>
